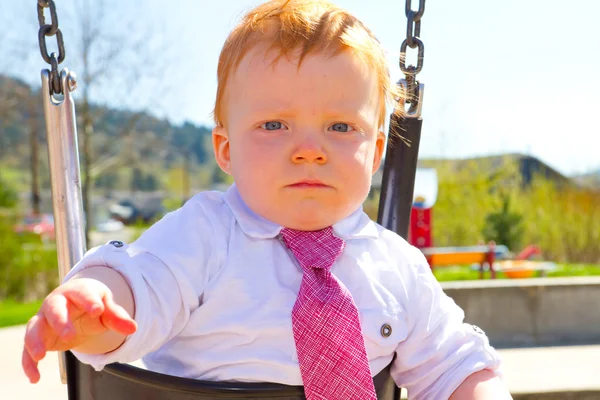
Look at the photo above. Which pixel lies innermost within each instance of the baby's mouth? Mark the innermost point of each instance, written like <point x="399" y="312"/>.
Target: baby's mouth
<point x="309" y="183"/>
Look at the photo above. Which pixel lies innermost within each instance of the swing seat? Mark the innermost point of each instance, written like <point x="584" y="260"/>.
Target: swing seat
<point x="126" y="382"/>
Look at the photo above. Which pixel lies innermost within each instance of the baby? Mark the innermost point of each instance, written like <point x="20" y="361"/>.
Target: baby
<point x="283" y="278"/>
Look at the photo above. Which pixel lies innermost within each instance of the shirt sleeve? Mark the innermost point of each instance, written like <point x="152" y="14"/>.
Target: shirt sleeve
<point x="167" y="269"/>
<point x="441" y="351"/>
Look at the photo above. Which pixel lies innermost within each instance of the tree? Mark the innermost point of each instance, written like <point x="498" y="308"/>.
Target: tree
<point x="20" y="111"/>
<point x="150" y="183"/>
<point x="112" y="53"/>
<point x="504" y="226"/>
<point x="23" y="100"/>
<point x="8" y="113"/>
<point x="34" y="115"/>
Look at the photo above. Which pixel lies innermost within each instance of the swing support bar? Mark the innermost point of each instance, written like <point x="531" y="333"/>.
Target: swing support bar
<point x="400" y="167"/>
<point x="63" y="155"/>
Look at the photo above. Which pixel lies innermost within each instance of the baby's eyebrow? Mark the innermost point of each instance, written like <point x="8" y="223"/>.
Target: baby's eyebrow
<point x="344" y="111"/>
<point x="361" y="115"/>
<point x="265" y="113"/>
<point x="327" y="110"/>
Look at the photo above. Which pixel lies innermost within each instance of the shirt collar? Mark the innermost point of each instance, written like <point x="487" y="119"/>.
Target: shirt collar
<point x="356" y="225"/>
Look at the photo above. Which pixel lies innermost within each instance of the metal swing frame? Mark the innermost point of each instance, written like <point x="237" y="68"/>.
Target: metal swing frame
<point x="122" y="381"/>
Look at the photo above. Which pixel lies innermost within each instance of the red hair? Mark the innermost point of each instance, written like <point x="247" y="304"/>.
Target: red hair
<point x="307" y="26"/>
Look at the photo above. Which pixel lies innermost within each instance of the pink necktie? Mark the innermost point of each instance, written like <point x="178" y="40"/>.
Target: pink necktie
<point x="329" y="341"/>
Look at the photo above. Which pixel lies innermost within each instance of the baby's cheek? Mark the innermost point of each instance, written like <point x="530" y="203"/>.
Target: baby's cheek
<point x="362" y="160"/>
<point x="363" y="149"/>
<point x="250" y="161"/>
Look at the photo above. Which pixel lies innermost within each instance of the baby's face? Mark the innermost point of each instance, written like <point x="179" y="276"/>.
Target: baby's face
<point x="301" y="144"/>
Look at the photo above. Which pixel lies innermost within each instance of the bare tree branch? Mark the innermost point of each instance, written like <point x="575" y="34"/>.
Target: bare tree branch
<point x="111" y="59"/>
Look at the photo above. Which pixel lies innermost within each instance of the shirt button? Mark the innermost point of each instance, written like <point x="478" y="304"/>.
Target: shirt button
<point x="116" y="243"/>
<point x="386" y="330"/>
<point x="477" y="329"/>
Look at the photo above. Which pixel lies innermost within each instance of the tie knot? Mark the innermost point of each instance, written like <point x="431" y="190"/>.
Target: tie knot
<point x="316" y="249"/>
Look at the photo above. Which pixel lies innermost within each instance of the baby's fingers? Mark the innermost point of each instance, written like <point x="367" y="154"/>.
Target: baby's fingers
<point x="89" y="301"/>
<point x="30" y="367"/>
<point x="56" y="313"/>
<point x="116" y="318"/>
<point x="37" y="334"/>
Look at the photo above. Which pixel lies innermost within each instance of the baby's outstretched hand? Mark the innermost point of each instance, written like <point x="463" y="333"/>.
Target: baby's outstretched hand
<point x="73" y="314"/>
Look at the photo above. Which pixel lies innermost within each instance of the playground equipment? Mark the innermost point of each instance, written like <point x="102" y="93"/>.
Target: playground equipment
<point x="482" y="255"/>
<point x="424" y="198"/>
<point x="523" y="266"/>
<point x="421" y="230"/>
<point x="128" y="382"/>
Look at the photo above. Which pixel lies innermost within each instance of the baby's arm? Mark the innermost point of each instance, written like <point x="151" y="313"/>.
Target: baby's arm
<point x="442" y="357"/>
<point x="482" y="385"/>
<point x="160" y="279"/>
<point x="91" y="313"/>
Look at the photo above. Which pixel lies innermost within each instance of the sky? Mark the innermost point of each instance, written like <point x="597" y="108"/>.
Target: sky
<point x="503" y="76"/>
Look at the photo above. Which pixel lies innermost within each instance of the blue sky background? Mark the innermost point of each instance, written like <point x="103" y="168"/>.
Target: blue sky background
<point x="503" y="76"/>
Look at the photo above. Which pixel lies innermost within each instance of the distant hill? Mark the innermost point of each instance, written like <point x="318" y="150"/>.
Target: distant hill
<point x="527" y="166"/>
<point x="122" y="140"/>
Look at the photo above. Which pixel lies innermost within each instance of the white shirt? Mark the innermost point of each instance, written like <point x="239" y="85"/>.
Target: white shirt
<point x="214" y="289"/>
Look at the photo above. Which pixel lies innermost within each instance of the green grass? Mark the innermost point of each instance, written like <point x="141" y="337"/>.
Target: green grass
<point x="13" y="313"/>
<point x="576" y="270"/>
<point x="465" y="273"/>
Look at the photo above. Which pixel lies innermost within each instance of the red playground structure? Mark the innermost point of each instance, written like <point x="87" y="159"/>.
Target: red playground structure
<point x="420" y="232"/>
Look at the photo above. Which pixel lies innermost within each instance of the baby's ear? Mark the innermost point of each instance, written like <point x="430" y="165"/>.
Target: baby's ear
<point x="220" y="139"/>
<point x="379" y="149"/>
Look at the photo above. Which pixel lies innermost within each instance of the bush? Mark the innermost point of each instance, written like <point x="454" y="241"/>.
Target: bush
<point x="472" y="206"/>
<point x="28" y="268"/>
<point x="8" y="196"/>
<point x="465" y="197"/>
<point x="563" y="221"/>
<point x="504" y="226"/>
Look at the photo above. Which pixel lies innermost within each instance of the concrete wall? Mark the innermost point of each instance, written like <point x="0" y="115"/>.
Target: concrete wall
<point x="530" y="312"/>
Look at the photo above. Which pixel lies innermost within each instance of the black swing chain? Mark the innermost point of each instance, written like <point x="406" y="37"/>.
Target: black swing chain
<point x="51" y="30"/>
<point x="413" y="33"/>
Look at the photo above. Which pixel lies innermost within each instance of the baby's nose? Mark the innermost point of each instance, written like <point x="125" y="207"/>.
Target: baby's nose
<point x="309" y="152"/>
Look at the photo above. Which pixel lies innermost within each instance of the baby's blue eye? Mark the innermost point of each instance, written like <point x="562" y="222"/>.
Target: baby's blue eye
<point x="272" y="125"/>
<point x="341" y="127"/>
